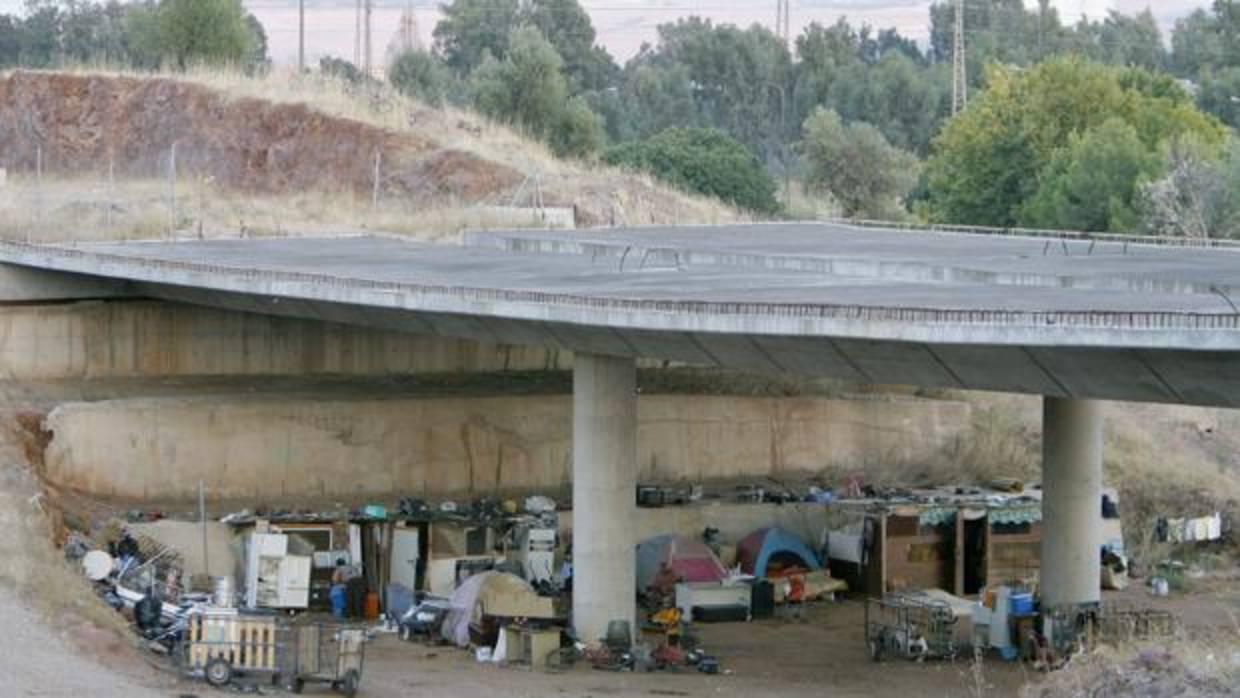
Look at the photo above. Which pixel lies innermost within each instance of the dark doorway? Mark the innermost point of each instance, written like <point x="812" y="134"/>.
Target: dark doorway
<point x="975" y="555"/>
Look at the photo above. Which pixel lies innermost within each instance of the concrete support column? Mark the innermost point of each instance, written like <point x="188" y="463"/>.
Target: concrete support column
<point x="1071" y="501"/>
<point x="604" y="493"/>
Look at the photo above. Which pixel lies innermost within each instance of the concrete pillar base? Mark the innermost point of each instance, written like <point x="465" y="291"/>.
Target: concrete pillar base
<point x="604" y="494"/>
<point x="1071" y="502"/>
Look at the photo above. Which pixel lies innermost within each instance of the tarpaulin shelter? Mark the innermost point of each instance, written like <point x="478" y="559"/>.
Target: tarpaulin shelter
<point x="757" y="551"/>
<point x="690" y="560"/>
<point x="493" y="594"/>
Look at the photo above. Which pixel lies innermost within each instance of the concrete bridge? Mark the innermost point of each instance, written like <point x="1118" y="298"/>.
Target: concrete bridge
<point x="1076" y="319"/>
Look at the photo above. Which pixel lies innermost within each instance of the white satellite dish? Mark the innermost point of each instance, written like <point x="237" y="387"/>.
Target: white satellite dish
<point x="97" y="565"/>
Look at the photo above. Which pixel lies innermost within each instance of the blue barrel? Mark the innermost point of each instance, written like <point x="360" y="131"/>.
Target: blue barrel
<point x="1022" y="604"/>
<point x="339" y="599"/>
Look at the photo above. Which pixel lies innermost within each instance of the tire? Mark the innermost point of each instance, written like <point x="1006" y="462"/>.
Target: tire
<point x="297" y="686"/>
<point x="218" y="672"/>
<point x="352" y="681"/>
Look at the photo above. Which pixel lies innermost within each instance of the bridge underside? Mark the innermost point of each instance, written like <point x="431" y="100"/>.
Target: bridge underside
<point x="1206" y="378"/>
<point x="1097" y="322"/>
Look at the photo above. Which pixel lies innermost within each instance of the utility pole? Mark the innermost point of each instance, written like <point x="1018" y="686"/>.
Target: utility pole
<point x="783" y="28"/>
<point x="367" y="66"/>
<point x="301" y="36"/>
<point x="787" y="22"/>
<point x="357" y="33"/>
<point x="960" y="71"/>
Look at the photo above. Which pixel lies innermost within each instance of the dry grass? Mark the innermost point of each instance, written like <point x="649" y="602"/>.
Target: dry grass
<point x="1206" y="667"/>
<point x="87" y="208"/>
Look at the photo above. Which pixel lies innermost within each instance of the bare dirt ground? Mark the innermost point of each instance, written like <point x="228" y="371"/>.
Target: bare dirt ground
<point x="37" y="660"/>
<point x="824" y="655"/>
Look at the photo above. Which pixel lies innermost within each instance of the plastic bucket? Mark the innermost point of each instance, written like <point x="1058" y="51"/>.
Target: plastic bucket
<point x="1021" y="604"/>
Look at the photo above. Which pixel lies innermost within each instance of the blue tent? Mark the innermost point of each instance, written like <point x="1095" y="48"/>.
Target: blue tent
<point x="759" y="549"/>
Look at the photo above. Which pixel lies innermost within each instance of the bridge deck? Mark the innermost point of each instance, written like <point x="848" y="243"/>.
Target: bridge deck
<point x="1071" y="318"/>
<point x="790" y="265"/>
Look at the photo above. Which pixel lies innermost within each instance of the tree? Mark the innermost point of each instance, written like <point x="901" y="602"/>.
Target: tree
<point x="857" y="166"/>
<point x="738" y="79"/>
<point x="471" y="30"/>
<point x="1219" y="94"/>
<point x="567" y="27"/>
<point x="999" y="31"/>
<point x="705" y="161"/>
<point x="528" y="89"/>
<point x="344" y="71"/>
<point x="579" y="132"/>
<point x="201" y="31"/>
<point x="10" y="41"/>
<point x="40" y="36"/>
<point x="1093" y="183"/>
<point x="1199" y="196"/>
<point x="656" y="97"/>
<point x="905" y="101"/>
<point x="986" y="163"/>
<point x="258" y="59"/>
<point x="93" y="32"/>
<point x="824" y="52"/>
<point x="422" y="76"/>
<point x="1131" y="40"/>
<point x="1196" y="43"/>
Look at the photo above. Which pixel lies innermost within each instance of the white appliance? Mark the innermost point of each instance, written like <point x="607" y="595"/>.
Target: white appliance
<point x="708" y="595"/>
<point x="273" y="578"/>
<point x="535" y="550"/>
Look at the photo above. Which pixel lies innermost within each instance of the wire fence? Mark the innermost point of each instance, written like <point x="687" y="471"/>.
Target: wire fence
<point x="174" y="195"/>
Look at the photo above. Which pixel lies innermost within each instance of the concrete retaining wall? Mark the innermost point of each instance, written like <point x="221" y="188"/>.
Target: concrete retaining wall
<point x="126" y="339"/>
<point x="342" y="450"/>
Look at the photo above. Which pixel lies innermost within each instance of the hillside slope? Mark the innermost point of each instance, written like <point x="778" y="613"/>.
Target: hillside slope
<point x="287" y="135"/>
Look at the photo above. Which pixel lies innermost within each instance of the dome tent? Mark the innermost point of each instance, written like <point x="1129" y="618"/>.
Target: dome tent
<point x="690" y="560"/>
<point x="759" y="549"/>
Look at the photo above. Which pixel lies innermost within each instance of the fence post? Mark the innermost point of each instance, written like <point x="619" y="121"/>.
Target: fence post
<point x="374" y="194"/>
<point x="172" y="190"/>
<point x="109" y="199"/>
<point x="38" y="188"/>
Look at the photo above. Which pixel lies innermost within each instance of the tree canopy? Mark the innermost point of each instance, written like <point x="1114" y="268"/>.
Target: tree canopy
<point x="422" y="76"/>
<point x="856" y="165"/>
<point x="992" y="159"/>
<point x="145" y="34"/>
<point x="529" y="90"/>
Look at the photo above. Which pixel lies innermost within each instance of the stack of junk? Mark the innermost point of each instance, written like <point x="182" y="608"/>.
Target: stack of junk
<point x="942" y="569"/>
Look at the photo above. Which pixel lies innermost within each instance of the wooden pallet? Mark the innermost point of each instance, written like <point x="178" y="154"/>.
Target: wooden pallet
<point x="247" y="644"/>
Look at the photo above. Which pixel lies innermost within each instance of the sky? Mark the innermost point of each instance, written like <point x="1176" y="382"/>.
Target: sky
<point x="623" y="25"/>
